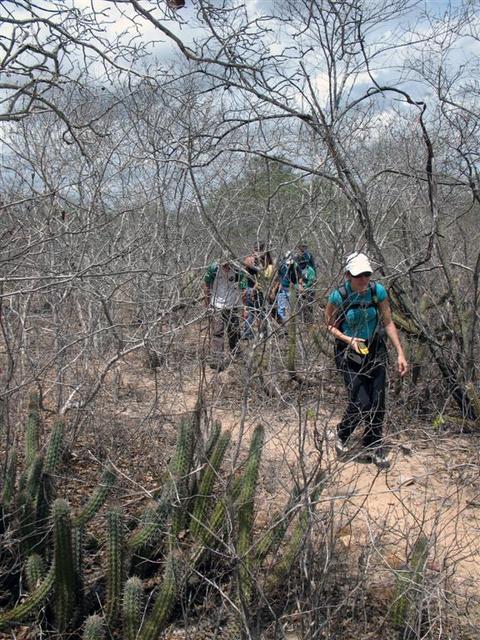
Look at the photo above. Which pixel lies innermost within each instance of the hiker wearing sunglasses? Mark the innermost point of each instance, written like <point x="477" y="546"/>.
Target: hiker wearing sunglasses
<point x="358" y="315"/>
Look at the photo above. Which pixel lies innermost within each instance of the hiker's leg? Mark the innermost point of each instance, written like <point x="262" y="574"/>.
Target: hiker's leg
<point x="218" y="332"/>
<point x="233" y="328"/>
<point x="358" y="400"/>
<point x="283" y="305"/>
<point x="373" y="434"/>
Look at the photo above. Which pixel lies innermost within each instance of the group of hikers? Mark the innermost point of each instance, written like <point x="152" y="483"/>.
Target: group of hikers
<point x="244" y="297"/>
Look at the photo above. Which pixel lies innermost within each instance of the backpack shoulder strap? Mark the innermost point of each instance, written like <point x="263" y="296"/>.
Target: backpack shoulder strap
<point x="373" y="290"/>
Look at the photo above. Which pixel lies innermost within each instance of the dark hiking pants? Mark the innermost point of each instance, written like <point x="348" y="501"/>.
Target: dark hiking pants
<point x="365" y="381"/>
<point x="225" y="321"/>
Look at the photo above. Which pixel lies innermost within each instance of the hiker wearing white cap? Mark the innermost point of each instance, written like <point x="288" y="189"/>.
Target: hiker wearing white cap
<point x="358" y="315"/>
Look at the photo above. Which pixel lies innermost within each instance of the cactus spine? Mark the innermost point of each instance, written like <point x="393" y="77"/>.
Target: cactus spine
<point x="132" y="608"/>
<point x="164" y="601"/>
<point x="64" y="565"/>
<point x="34" y="571"/>
<point x="206" y="485"/>
<point x="34" y="600"/>
<point x="32" y="429"/>
<point x="245" y="513"/>
<point x="94" y="628"/>
<point x="115" y="563"/>
<point x="97" y="499"/>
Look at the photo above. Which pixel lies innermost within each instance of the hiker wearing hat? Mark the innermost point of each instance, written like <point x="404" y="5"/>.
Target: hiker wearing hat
<point x="358" y="315"/>
<point x="224" y="284"/>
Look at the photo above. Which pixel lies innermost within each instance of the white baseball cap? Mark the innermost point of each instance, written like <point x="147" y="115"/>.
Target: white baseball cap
<point x="358" y="263"/>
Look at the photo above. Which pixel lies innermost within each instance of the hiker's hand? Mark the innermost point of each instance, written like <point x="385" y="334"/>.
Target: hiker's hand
<point x="356" y="343"/>
<point x="402" y="364"/>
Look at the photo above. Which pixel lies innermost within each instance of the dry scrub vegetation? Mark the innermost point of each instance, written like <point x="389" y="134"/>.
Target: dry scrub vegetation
<point x="144" y="495"/>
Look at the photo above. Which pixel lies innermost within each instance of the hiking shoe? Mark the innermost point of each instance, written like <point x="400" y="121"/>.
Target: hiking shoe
<point x="380" y="459"/>
<point x="341" y="447"/>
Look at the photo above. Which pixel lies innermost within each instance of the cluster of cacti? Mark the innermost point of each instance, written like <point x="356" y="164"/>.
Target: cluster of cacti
<point x="172" y="543"/>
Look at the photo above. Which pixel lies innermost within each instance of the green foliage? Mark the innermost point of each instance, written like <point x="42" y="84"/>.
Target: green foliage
<point x="115" y="533"/>
<point x="32" y="429"/>
<point x="94" y="628"/>
<point x="64" y="565"/>
<point x="97" y="499"/>
<point x="132" y="608"/>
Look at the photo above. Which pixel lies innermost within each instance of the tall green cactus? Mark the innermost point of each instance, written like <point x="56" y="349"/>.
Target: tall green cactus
<point x="34" y="475"/>
<point x="31" y="603"/>
<point x="245" y="513"/>
<point x="115" y="531"/>
<point x="64" y="565"/>
<point x="132" y="608"/>
<point x="182" y="464"/>
<point x="32" y="429"/>
<point x="53" y="454"/>
<point x="94" y="628"/>
<point x="165" y="599"/>
<point x="205" y="486"/>
<point x="97" y="499"/>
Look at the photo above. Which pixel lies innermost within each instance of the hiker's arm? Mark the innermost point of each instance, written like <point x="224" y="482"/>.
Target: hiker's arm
<point x="331" y="320"/>
<point x="392" y="333"/>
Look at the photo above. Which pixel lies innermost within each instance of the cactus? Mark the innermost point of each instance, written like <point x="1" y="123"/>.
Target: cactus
<point x="34" y="571"/>
<point x="64" y="565"/>
<point x="407" y="583"/>
<point x="10" y="477"/>
<point x="245" y="512"/>
<point x="53" y="455"/>
<point x="34" y="475"/>
<point x="97" y="499"/>
<point x="30" y="604"/>
<point x="78" y="536"/>
<point x="180" y="469"/>
<point x="94" y="628"/>
<point x="166" y="596"/>
<point x="206" y="485"/>
<point x="115" y="563"/>
<point x="277" y="529"/>
<point x="32" y="429"/>
<point x="153" y="520"/>
<point x="132" y="608"/>
<point x="284" y="566"/>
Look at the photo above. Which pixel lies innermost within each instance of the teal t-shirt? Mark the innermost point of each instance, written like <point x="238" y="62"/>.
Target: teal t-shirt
<point x="359" y="322"/>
